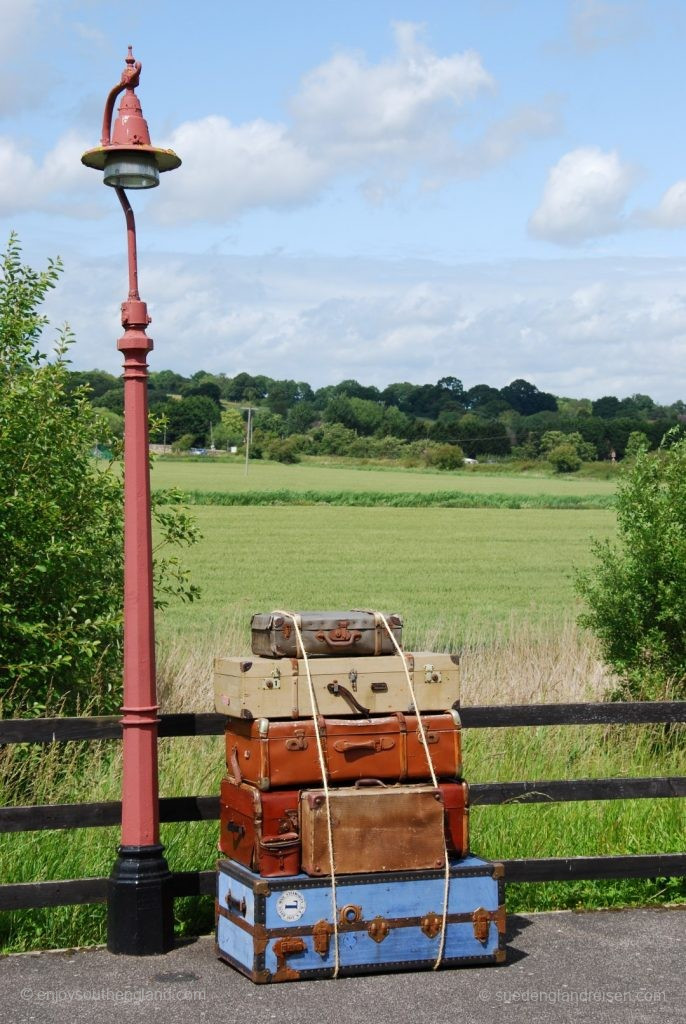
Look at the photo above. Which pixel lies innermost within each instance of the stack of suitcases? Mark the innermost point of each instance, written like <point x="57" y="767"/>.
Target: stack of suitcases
<point x="339" y="743"/>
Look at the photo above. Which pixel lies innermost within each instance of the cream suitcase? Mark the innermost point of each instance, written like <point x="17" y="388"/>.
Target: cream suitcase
<point x="258" y="687"/>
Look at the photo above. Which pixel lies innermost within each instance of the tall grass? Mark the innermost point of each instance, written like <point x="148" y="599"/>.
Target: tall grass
<point x="381" y="499"/>
<point x="516" y="663"/>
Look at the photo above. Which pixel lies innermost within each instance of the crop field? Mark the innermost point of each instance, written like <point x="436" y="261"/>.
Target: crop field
<point x="212" y="474"/>
<point x="445" y="570"/>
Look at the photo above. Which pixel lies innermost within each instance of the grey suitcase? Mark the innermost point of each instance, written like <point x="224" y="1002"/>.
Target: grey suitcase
<point x="325" y="634"/>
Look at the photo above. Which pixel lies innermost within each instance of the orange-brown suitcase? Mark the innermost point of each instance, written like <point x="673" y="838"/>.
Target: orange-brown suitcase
<point x="284" y="753"/>
<point x="383" y="828"/>
<point x="260" y="830"/>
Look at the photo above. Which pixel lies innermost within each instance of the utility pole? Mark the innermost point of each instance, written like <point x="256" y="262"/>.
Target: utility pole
<point x="248" y="434"/>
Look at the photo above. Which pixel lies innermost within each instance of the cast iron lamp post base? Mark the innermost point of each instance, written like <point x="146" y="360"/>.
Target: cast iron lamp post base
<point x="140" y="916"/>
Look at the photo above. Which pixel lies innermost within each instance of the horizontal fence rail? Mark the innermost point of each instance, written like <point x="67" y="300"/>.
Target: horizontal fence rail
<point x="28" y="895"/>
<point x="206" y="808"/>
<point x="31" y="895"/>
<point x="498" y="716"/>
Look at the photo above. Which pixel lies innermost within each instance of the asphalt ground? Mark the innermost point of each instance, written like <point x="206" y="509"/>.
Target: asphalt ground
<point x="609" y="967"/>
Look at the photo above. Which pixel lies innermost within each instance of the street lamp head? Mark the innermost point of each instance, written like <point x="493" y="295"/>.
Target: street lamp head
<point x="125" y="154"/>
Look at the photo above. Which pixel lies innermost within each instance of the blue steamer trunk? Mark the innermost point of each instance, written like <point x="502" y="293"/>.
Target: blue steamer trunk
<point x="280" y="929"/>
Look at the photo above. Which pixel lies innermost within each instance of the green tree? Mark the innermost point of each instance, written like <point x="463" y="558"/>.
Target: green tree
<point x="191" y="415"/>
<point x="636" y="442"/>
<point x="61" y="587"/>
<point x="636" y="588"/>
<point x="231" y="429"/>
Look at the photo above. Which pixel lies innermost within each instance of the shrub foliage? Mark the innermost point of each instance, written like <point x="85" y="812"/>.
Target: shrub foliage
<point x="636" y="589"/>
<point x="61" y="519"/>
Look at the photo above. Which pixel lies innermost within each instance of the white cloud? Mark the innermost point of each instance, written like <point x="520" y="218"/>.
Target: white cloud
<point x="228" y="168"/>
<point x="671" y="210"/>
<point x="568" y="326"/>
<point x="355" y="112"/>
<point x="54" y="185"/>
<point x="583" y="197"/>
<point x="382" y="122"/>
<point x="385" y="124"/>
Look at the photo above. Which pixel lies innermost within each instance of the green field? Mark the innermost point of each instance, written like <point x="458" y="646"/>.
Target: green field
<point x="453" y="568"/>
<point x="222" y="475"/>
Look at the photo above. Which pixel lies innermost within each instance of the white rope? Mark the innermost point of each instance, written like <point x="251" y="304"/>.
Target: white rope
<point x="322" y="767"/>
<point x="422" y="736"/>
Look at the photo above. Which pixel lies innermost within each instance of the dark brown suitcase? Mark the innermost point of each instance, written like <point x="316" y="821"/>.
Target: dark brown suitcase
<point x="325" y="634"/>
<point x="260" y="830"/>
<point x="284" y="753"/>
<point x="384" y="828"/>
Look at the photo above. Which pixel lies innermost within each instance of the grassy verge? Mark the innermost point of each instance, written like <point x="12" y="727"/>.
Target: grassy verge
<point x="511" y="665"/>
<point x="381" y="499"/>
<point x="340" y="475"/>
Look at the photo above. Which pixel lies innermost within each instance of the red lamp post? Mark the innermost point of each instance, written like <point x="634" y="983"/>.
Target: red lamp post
<point x="140" y="903"/>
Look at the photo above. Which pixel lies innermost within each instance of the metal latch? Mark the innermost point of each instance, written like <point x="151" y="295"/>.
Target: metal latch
<point x="378" y="929"/>
<point x="321" y="933"/>
<point x="481" y="920"/>
<point x="297" y="741"/>
<point x="431" y="925"/>
<point x="286" y="947"/>
<point x="432" y="675"/>
<point x="274" y="681"/>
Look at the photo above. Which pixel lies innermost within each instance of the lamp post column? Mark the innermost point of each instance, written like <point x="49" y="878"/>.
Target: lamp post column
<point x="139" y="895"/>
<point x="140" y="899"/>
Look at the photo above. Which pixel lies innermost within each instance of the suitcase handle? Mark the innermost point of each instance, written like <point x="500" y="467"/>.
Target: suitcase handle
<point x="363" y="783"/>
<point x="374" y="744"/>
<point x="235" y="767"/>
<point x="341" y="636"/>
<point x="341" y="691"/>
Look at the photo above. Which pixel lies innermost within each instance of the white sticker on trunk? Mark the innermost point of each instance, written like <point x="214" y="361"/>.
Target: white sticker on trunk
<point x="291" y="905"/>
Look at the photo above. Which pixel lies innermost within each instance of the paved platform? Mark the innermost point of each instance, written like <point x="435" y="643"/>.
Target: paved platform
<point x="609" y="967"/>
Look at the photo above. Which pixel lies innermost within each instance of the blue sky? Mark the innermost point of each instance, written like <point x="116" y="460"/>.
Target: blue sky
<point x="380" y="190"/>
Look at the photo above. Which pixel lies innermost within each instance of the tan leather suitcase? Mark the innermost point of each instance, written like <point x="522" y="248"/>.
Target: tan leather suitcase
<point x="284" y="753"/>
<point x="325" y="633"/>
<point x="380" y="828"/>
<point x="258" y="687"/>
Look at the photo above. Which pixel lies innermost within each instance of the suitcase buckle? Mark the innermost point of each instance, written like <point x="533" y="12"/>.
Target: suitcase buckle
<point x="283" y="948"/>
<point x="378" y="929"/>
<point x="297" y="741"/>
<point x="481" y="920"/>
<point x="431" y="925"/>
<point x="321" y="933"/>
<point x="432" y="675"/>
<point x="274" y="681"/>
<point x="341" y="636"/>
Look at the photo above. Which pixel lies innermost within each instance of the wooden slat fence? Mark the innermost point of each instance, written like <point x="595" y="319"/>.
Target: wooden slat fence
<point x="206" y="808"/>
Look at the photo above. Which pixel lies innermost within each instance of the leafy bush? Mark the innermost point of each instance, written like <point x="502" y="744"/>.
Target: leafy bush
<point x="283" y="450"/>
<point x="564" y="459"/>
<point x="183" y="443"/>
<point x="445" y="456"/>
<point x="61" y="586"/>
<point x="636" y="590"/>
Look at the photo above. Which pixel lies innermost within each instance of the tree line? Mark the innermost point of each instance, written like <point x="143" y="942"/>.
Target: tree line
<point x="400" y="421"/>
